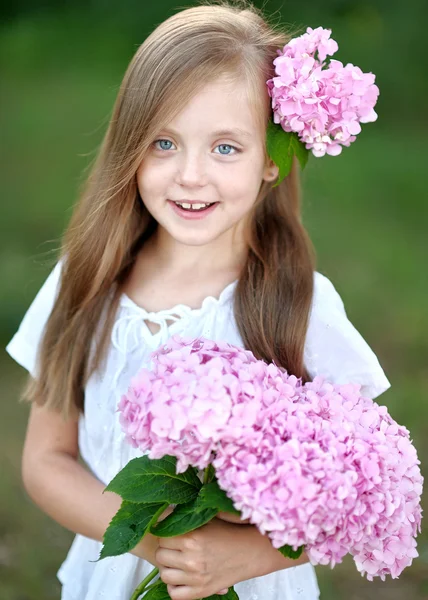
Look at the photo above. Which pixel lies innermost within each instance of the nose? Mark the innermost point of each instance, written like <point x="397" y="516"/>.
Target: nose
<point x="191" y="170"/>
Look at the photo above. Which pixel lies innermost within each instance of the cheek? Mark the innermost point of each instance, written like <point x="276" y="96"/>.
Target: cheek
<point x="150" y="178"/>
<point x="242" y="185"/>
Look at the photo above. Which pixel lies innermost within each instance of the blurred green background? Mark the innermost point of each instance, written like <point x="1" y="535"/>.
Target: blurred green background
<point x="366" y="210"/>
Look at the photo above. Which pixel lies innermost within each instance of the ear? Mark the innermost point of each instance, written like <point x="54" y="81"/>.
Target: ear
<point x="271" y="171"/>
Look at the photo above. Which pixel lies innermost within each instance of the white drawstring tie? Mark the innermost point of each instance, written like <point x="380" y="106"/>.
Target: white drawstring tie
<point x="128" y="338"/>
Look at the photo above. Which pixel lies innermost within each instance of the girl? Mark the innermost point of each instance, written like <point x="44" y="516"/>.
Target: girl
<point x="178" y="231"/>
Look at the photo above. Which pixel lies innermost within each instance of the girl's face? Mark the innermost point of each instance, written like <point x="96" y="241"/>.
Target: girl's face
<point x="211" y="154"/>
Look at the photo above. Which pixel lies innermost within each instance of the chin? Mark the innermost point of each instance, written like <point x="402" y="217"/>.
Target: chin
<point x="195" y="239"/>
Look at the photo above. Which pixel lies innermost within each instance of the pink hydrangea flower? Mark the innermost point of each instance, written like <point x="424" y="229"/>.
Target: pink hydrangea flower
<point x="323" y="104"/>
<point x="331" y="471"/>
<point x="197" y="392"/>
<point x="314" y="465"/>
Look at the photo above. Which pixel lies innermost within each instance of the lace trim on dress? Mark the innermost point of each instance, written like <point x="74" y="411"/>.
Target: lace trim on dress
<point x="128" y="338"/>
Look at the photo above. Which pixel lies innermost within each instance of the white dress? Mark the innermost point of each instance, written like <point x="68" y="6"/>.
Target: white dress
<point x="333" y="348"/>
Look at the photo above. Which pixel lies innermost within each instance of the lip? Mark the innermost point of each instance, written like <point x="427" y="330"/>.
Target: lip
<point x="191" y="216"/>
<point x="190" y="201"/>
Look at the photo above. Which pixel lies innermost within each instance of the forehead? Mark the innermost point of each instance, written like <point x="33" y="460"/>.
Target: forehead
<point x="223" y="104"/>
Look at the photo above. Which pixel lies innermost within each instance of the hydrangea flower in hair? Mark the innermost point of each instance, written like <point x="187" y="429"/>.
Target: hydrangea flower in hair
<point x="317" y="106"/>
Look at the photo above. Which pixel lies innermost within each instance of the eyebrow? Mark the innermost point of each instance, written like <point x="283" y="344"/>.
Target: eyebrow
<point x="221" y="132"/>
<point x="232" y="132"/>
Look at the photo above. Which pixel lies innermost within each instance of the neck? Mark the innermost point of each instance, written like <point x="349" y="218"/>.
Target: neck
<point x="226" y="254"/>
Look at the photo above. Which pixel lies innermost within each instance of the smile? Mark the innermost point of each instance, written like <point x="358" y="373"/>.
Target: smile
<point x="194" y="206"/>
<point x="193" y="210"/>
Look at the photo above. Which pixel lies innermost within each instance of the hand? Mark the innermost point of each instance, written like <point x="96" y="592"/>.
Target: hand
<point x="208" y="559"/>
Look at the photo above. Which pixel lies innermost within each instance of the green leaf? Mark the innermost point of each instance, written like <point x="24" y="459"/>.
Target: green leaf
<point x="191" y="515"/>
<point x="186" y="517"/>
<point x="213" y="496"/>
<point x="157" y="592"/>
<point x="231" y="595"/>
<point x="288" y="551"/>
<point x="281" y="147"/>
<point x="155" y="480"/>
<point x="299" y="150"/>
<point x="128" y="526"/>
<point x="278" y="148"/>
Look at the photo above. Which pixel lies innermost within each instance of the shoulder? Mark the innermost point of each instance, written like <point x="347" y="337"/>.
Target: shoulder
<point x="327" y="313"/>
<point x="325" y="294"/>
<point x="334" y="348"/>
<point x="24" y="344"/>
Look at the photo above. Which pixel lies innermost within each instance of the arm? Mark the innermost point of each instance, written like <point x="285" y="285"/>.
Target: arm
<point x="275" y="560"/>
<point x="62" y="487"/>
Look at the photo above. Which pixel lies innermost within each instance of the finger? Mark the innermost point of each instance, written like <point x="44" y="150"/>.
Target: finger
<point x="174" y="577"/>
<point x="186" y="592"/>
<point x="180" y="592"/>
<point x="170" y="558"/>
<point x="173" y="543"/>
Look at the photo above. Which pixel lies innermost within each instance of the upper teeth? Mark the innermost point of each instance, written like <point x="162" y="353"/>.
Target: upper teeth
<point x="192" y="206"/>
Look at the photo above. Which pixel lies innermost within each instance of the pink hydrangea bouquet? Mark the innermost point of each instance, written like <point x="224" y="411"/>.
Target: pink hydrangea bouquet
<point x="314" y="466"/>
<point x="319" y="104"/>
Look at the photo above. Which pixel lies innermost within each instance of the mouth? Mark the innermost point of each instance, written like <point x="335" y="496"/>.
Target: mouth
<point x="193" y="206"/>
<point x="193" y="210"/>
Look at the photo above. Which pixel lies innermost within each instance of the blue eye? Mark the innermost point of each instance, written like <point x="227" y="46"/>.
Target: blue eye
<point x="163" y="146"/>
<point x="226" y="146"/>
<point x="166" y="145"/>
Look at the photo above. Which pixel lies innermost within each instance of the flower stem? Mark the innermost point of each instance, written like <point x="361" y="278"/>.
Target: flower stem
<point x="149" y="587"/>
<point x="141" y="588"/>
<point x="206" y="475"/>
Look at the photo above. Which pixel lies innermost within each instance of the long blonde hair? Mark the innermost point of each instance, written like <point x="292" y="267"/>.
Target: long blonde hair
<point x="110" y="222"/>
